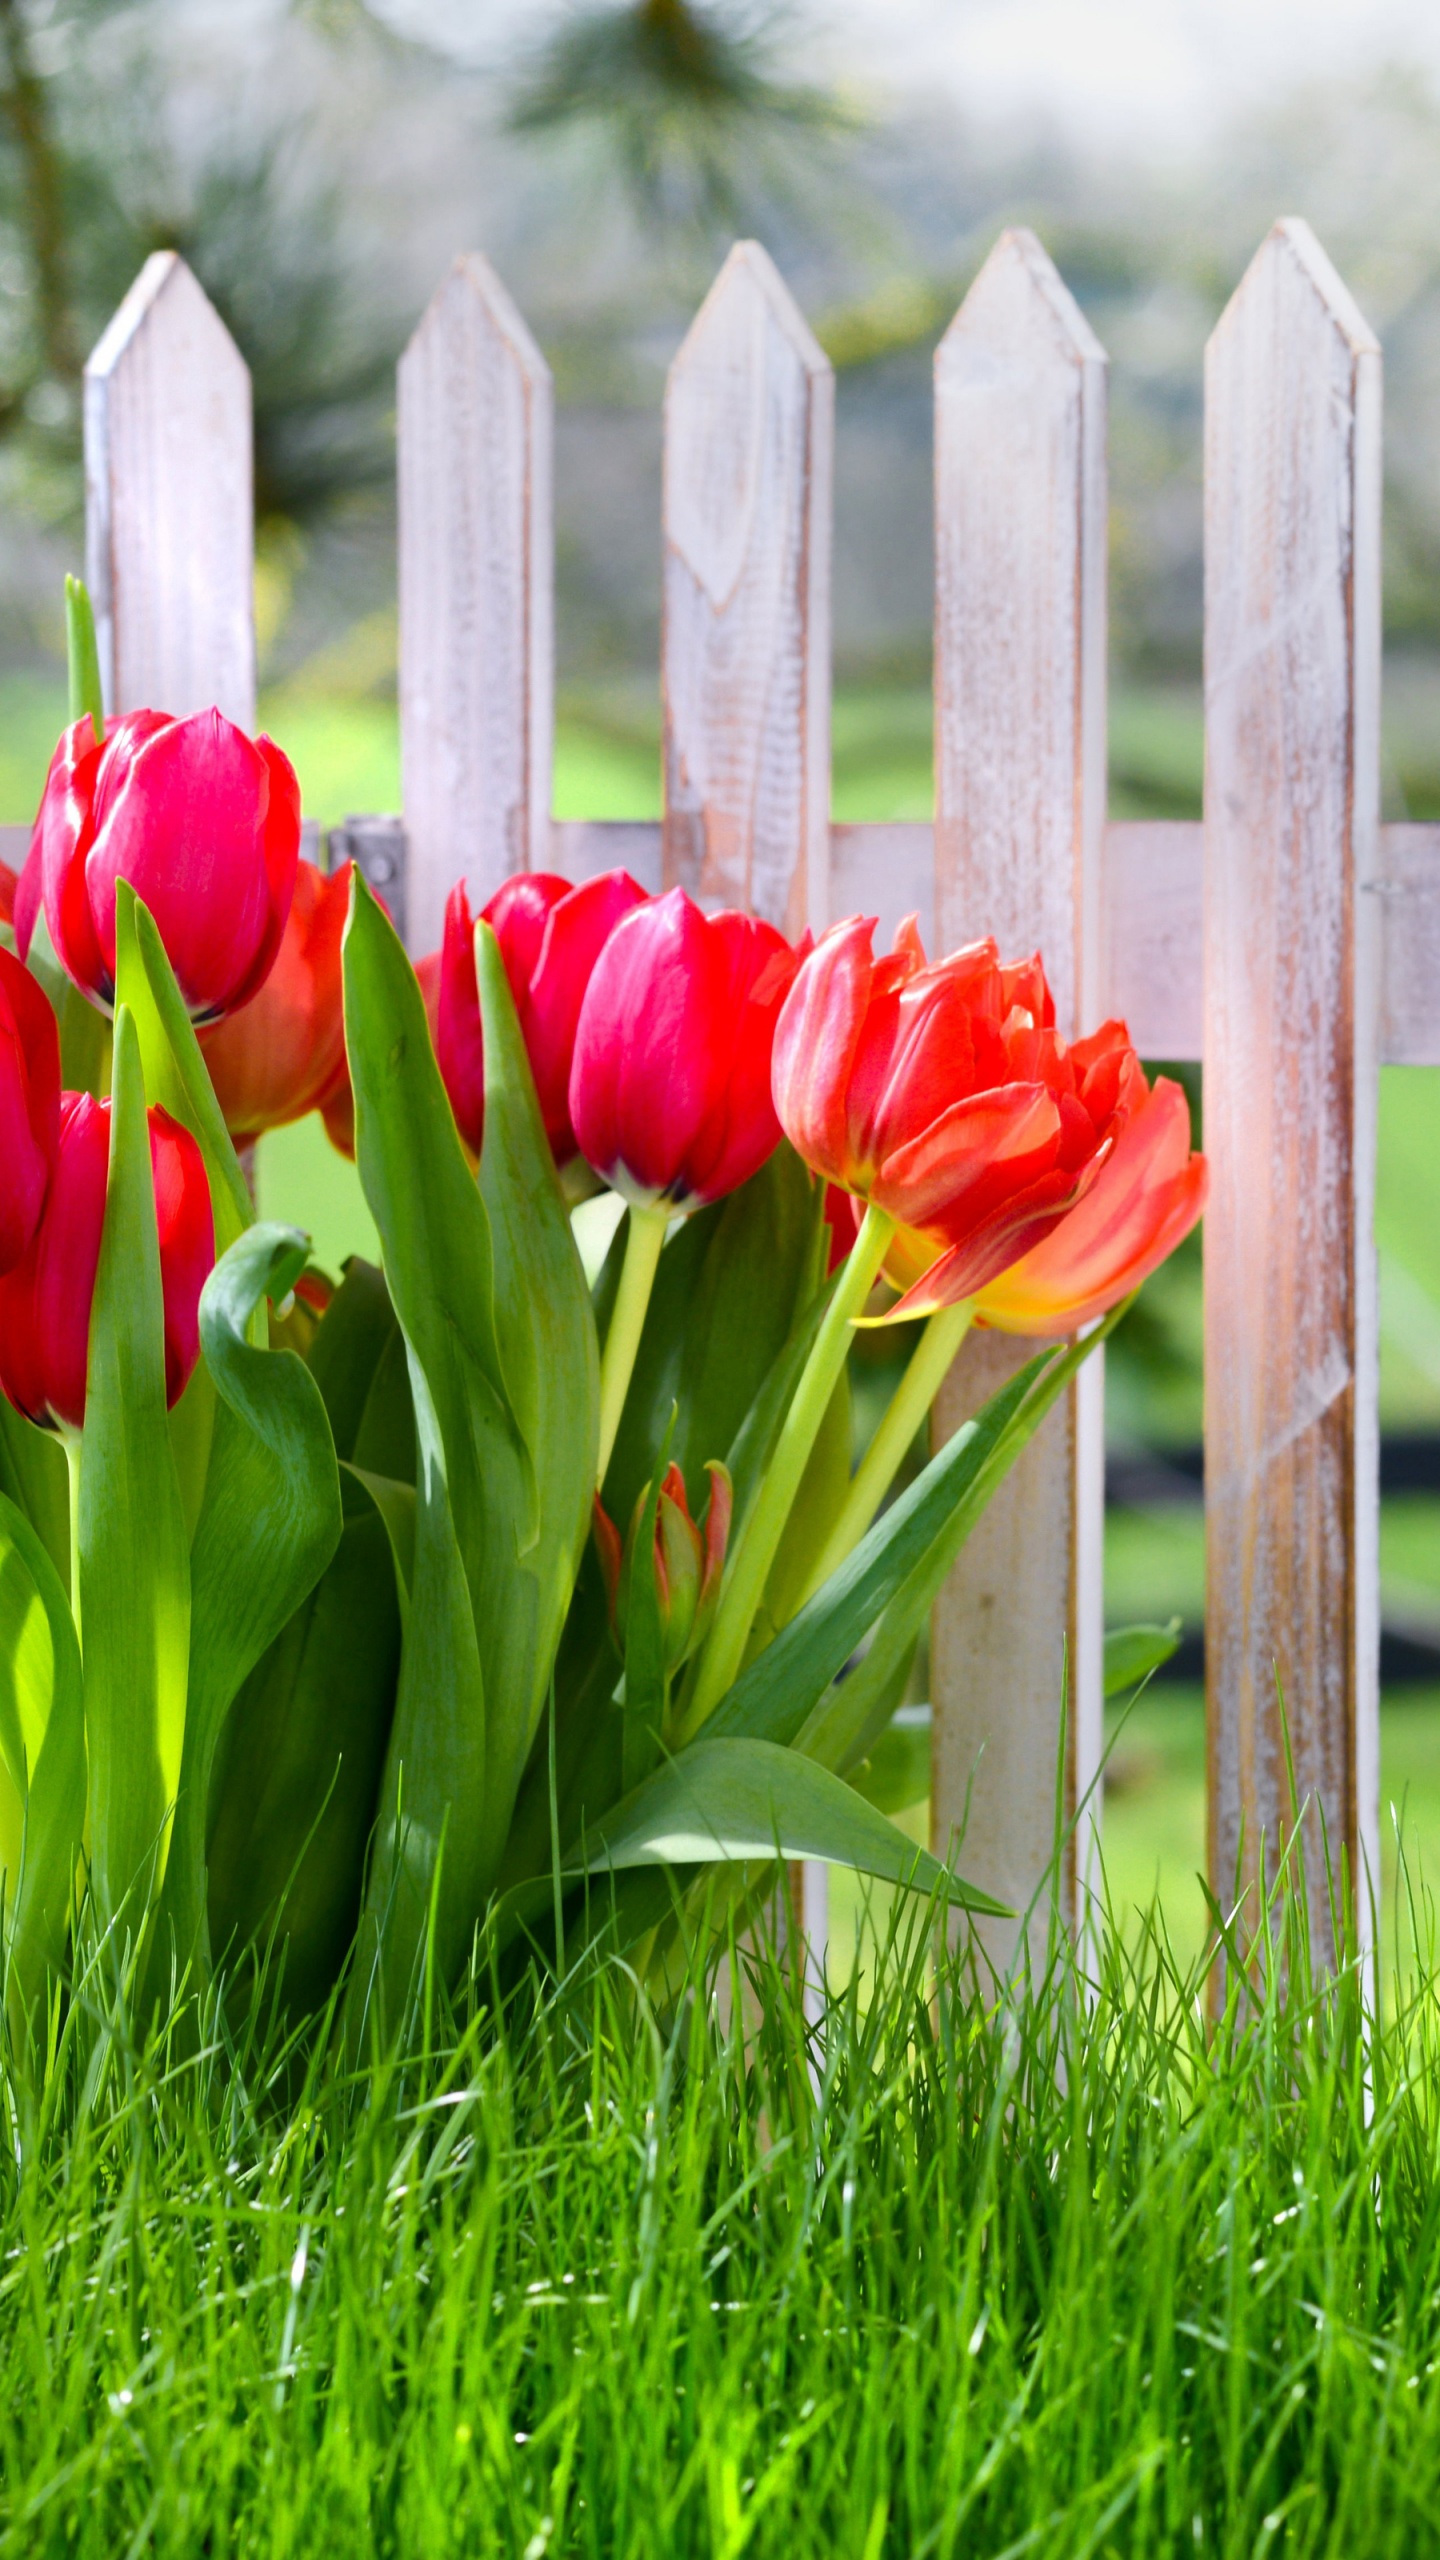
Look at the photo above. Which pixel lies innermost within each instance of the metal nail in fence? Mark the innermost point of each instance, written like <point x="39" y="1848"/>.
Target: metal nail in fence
<point x="377" y="847"/>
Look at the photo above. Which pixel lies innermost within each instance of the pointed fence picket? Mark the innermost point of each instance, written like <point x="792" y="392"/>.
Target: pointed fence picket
<point x="1292" y="793"/>
<point x="1320" y="932"/>
<point x="474" y="433"/>
<point x="169" y="507"/>
<point x="1020" y="517"/>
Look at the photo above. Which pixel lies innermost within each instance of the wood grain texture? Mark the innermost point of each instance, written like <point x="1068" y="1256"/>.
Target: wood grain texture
<point x="169" y="504"/>
<point x="1020" y="639"/>
<point x="749" y="435"/>
<point x="475" y="432"/>
<point x="1292" y="652"/>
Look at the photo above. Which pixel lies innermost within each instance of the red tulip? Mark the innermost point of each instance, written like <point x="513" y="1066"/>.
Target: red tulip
<point x="9" y="883"/>
<point x="29" y="1106"/>
<point x="945" y="1096"/>
<point x="1142" y="1202"/>
<point x="45" y="1301"/>
<point x="283" y="1053"/>
<point x="550" y="937"/>
<point x="205" y="825"/>
<point x="688" y="1565"/>
<point x="670" y="1088"/>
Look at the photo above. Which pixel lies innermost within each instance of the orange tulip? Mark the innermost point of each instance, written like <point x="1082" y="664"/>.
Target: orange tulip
<point x="946" y="1097"/>
<point x="1141" y="1204"/>
<point x="283" y="1054"/>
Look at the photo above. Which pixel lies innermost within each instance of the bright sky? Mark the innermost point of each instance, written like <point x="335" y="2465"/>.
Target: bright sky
<point x="1141" y="71"/>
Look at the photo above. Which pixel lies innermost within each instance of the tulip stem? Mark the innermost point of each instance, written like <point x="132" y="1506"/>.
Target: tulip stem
<point x="925" y="1373"/>
<point x="755" y="1550"/>
<point x="644" y="1238"/>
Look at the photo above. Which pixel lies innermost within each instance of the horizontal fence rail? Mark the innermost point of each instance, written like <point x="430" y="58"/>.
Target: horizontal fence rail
<point x="1288" y="941"/>
<point x="1151" y="920"/>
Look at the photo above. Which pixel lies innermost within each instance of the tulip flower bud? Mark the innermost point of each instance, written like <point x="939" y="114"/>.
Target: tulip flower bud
<point x="45" y="1301"/>
<point x="670" y="1088"/>
<point x="283" y="1053"/>
<point x="550" y="937"/>
<point x="205" y="825"/>
<point x="29" y="1106"/>
<point x="946" y="1096"/>
<point x="688" y="1565"/>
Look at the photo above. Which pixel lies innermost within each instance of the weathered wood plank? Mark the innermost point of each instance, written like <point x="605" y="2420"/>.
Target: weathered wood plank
<point x="749" y="434"/>
<point x="1151" y="925"/>
<point x="475" y="432"/>
<point x="1020" y="516"/>
<point x="169" y="506"/>
<point x="1292" y="665"/>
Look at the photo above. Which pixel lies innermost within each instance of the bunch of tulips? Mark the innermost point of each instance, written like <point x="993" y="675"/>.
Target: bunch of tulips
<point x="346" y="1617"/>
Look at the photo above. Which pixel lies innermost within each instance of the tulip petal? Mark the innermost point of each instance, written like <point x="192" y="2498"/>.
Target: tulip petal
<point x="650" y="1047"/>
<point x="821" y="1025"/>
<point x="29" y="1105"/>
<point x="987" y="1142"/>
<point x="205" y="826"/>
<point x="742" y="1129"/>
<point x="517" y="916"/>
<point x="1145" y="1199"/>
<point x="459" y="1038"/>
<point x="280" y="1055"/>
<point x="577" y="929"/>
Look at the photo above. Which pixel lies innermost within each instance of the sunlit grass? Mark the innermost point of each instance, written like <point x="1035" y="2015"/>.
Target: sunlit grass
<point x="1070" y="2272"/>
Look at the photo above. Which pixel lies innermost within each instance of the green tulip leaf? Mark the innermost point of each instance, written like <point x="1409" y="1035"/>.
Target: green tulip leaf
<point x="176" y="1075"/>
<point x="34" y="1476"/>
<point x="495" y="1534"/>
<point x="395" y="1504"/>
<point x="1132" y="1654"/>
<point x="270" y="1524"/>
<point x="849" y="1718"/>
<point x="132" y="1546"/>
<point x="774" y="1696"/>
<point x="755" y="1800"/>
<point x="354" y="1335"/>
<point x="895" y="1772"/>
<point x="42" y="1764"/>
<point x="545" y="1331"/>
<point x="297" y="1778"/>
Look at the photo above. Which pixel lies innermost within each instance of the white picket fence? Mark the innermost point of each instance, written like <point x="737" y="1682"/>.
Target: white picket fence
<point x="1291" y="941"/>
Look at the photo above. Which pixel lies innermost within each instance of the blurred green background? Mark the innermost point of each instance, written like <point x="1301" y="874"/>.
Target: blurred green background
<point x="320" y="161"/>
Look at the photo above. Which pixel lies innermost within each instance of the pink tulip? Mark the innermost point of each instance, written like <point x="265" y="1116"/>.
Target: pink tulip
<point x="550" y="937"/>
<point x="670" y="1087"/>
<point x="205" y="825"/>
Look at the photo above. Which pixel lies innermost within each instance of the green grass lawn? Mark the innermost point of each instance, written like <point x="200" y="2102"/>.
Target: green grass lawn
<point x="1073" y="2275"/>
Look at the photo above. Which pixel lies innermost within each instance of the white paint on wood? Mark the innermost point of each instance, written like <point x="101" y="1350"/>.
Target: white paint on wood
<point x="475" y="430"/>
<point x="169" y="505"/>
<point x="1153" y="875"/>
<point x="749" y="435"/>
<point x="1292" y="648"/>
<point x="1152" y="925"/>
<point x="1020" y="639"/>
<point x="1406" y="896"/>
